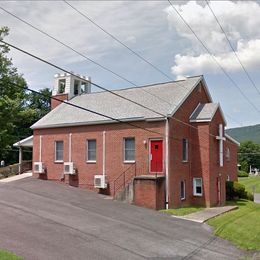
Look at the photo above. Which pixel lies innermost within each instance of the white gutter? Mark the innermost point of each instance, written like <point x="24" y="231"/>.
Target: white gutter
<point x="167" y="163"/>
<point x="40" y="152"/>
<point x="70" y="135"/>
<point x="104" y="153"/>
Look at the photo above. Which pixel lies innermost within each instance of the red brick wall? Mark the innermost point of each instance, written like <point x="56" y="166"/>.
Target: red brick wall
<point x="215" y="170"/>
<point x="145" y="193"/>
<point x="55" y="103"/>
<point x="203" y="154"/>
<point x="115" y="166"/>
<point x="183" y="170"/>
<point x="149" y="193"/>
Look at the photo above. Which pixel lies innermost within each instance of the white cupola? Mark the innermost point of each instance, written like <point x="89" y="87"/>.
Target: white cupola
<point x="71" y="85"/>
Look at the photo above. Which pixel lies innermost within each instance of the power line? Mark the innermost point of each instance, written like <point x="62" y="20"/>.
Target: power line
<point x="77" y="52"/>
<point x="117" y="40"/>
<point x="243" y="67"/>
<point x="106" y="116"/>
<point x="234" y="120"/>
<point x="213" y="57"/>
<point x="98" y="86"/>
<point x="91" y="111"/>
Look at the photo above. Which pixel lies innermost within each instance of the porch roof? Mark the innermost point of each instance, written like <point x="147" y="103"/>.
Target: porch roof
<point x="27" y="142"/>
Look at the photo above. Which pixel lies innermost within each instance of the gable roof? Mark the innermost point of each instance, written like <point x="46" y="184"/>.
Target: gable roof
<point x="204" y="112"/>
<point x="165" y="98"/>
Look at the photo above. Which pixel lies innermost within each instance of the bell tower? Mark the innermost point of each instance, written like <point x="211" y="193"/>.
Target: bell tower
<point x="67" y="86"/>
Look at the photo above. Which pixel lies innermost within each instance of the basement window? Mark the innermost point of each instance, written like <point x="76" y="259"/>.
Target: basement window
<point x="197" y="186"/>
<point x="58" y="151"/>
<point x="91" y="150"/>
<point x="129" y="149"/>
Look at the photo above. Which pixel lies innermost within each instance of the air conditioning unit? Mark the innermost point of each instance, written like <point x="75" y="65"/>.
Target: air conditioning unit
<point x="100" y="181"/>
<point x="69" y="168"/>
<point x="38" y="167"/>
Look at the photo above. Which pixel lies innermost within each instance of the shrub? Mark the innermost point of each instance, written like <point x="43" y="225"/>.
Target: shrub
<point x="235" y="190"/>
<point x="249" y="196"/>
<point x="229" y="190"/>
<point x="242" y="174"/>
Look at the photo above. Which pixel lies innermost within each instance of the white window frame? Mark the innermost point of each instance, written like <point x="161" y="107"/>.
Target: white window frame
<point x="184" y="190"/>
<point x="195" y="185"/>
<point x="186" y="147"/>
<point x="55" y="155"/>
<point x="128" y="161"/>
<point x="91" y="161"/>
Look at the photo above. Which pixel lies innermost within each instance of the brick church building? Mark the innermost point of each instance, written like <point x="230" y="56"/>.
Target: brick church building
<point x="178" y="156"/>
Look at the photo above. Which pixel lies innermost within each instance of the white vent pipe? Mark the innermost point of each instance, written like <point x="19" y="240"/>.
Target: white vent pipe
<point x="70" y="143"/>
<point x="104" y="153"/>
<point x="40" y="152"/>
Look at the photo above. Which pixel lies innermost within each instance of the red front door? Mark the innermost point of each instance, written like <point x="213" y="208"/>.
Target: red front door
<point x="156" y="156"/>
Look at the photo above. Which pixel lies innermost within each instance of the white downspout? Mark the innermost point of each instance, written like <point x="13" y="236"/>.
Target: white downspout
<point x="104" y="153"/>
<point x="167" y="162"/>
<point x="40" y="152"/>
<point x="70" y="135"/>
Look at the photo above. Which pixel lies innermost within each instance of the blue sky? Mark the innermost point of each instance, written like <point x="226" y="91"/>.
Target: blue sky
<point x="152" y="29"/>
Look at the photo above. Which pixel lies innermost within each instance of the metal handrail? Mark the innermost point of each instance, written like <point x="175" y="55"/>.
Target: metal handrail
<point x="123" y="174"/>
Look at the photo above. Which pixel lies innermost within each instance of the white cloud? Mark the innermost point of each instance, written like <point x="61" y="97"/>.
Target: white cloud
<point x="248" y="53"/>
<point x="241" y="22"/>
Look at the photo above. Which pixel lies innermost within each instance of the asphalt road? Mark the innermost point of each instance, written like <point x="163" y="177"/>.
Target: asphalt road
<point x="45" y="220"/>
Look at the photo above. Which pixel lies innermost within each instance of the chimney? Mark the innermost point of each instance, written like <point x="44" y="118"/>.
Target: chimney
<point x="67" y="86"/>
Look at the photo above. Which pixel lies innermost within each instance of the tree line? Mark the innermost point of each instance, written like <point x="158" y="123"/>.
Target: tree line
<point x="19" y="108"/>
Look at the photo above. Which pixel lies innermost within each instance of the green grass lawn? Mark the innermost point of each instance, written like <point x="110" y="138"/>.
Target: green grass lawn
<point x="182" y="211"/>
<point x="250" y="182"/>
<point x="4" y="255"/>
<point x="241" y="226"/>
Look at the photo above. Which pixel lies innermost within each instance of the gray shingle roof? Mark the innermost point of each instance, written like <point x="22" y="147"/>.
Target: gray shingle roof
<point x="204" y="112"/>
<point x="170" y="97"/>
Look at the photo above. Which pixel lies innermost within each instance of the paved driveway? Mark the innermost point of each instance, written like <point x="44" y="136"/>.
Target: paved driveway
<point x="45" y="220"/>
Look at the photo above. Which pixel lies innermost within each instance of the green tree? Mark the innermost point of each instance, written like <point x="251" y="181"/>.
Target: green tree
<point x="19" y="108"/>
<point x="11" y="98"/>
<point x="249" y="154"/>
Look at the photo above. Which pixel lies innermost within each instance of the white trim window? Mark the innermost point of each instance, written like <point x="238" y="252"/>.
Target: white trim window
<point x="91" y="150"/>
<point x="59" y="147"/>
<point x="183" y="190"/>
<point x="197" y="186"/>
<point x="185" y="149"/>
<point x="129" y="149"/>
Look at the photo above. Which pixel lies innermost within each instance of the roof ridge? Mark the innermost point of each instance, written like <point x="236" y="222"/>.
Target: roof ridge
<point x="142" y="86"/>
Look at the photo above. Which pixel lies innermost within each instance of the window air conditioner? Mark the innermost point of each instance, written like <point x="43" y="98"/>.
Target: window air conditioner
<point x="38" y="167"/>
<point x="69" y="168"/>
<point x="100" y="181"/>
